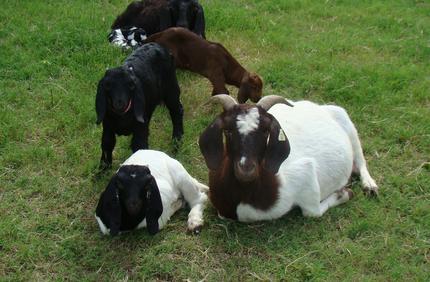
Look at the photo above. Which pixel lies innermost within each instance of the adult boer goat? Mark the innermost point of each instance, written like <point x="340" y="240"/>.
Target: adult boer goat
<point x="157" y="15"/>
<point x="128" y="95"/>
<point x="273" y="160"/>
<point x="146" y="191"/>
<point x="211" y="60"/>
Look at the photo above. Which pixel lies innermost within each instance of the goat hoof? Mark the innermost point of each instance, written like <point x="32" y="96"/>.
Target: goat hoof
<point x="196" y="230"/>
<point x="371" y="192"/>
<point x="176" y="144"/>
<point x="345" y="194"/>
<point x="104" y="166"/>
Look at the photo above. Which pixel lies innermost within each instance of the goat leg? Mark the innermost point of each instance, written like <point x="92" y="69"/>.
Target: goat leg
<point x="108" y="143"/>
<point x="140" y="137"/>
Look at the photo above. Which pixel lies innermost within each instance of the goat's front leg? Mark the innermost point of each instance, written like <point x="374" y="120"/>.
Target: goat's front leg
<point x="176" y="112"/>
<point x="218" y="83"/>
<point x="194" y="194"/>
<point x="308" y="197"/>
<point x="140" y="137"/>
<point x="177" y="115"/>
<point x="108" y="143"/>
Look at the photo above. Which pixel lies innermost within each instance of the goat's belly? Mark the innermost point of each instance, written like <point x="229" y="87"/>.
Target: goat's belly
<point x="312" y="133"/>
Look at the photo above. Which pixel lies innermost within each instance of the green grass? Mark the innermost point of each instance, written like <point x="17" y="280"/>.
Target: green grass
<point x="371" y="57"/>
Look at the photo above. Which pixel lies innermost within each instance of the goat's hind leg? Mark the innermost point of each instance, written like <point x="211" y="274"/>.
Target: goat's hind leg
<point x="335" y="199"/>
<point x="309" y="196"/>
<point x="359" y="165"/>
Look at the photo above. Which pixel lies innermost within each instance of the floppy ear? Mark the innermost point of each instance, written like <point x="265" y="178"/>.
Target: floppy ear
<point x="199" y="23"/>
<point x="100" y="102"/>
<point x="211" y="144"/>
<point x="278" y="148"/>
<point x="109" y="208"/>
<point x="138" y="97"/>
<point x="154" y="207"/>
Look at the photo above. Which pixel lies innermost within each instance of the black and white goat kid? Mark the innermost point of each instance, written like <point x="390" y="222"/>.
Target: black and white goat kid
<point x="276" y="157"/>
<point x="146" y="191"/>
<point x="128" y="95"/>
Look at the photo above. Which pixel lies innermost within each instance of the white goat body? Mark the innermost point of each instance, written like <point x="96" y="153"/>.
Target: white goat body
<point x="324" y="150"/>
<point x="175" y="186"/>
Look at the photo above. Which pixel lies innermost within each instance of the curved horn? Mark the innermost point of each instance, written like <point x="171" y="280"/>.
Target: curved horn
<point x="225" y="100"/>
<point x="268" y="101"/>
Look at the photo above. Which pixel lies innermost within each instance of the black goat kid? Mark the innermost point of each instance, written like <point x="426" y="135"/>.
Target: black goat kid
<point x="157" y="15"/>
<point x="128" y="95"/>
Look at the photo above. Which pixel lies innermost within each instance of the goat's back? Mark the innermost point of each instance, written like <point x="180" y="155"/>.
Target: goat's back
<point x="313" y="133"/>
<point x="155" y="68"/>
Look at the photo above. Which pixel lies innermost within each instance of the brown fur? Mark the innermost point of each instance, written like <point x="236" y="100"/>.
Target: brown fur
<point x="227" y="187"/>
<point x="211" y="60"/>
<point x="260" y="193"/>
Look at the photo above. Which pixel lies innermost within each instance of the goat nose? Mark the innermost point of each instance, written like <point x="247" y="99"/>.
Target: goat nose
<point x="247" y="166"/>
<point x="246" y="170"/>
<point x="133" y="207"/>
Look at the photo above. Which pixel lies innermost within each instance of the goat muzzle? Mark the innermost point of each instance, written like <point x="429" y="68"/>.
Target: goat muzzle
<point x="133" y="207"/>
<point x="124" y="110"/>
<point x="245" y="171"/>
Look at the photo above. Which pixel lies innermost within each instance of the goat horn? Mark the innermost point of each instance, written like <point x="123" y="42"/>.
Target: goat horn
<point x="225" y="100"/>
<point x="268" y="101"/>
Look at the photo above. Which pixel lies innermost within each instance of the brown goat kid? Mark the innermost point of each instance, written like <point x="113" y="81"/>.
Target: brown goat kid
<point x="211" y="60"/>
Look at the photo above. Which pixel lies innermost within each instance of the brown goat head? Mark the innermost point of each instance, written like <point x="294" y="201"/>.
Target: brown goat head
<point x="254" y="139"/>
<point x="251" y="88"/>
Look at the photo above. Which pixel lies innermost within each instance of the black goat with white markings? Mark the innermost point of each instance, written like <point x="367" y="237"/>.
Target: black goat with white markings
<point x="157" y="15"/>
<point x="128" y="95"/>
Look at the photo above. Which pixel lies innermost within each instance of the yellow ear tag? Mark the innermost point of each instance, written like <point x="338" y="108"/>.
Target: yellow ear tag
<point x="281" y="136"/>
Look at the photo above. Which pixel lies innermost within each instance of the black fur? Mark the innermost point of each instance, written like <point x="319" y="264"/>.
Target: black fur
<point x="188" y="14"/>
<point x="128" y="200"/>
<point x="146" y="79"/>
<point x="157" y="15"/>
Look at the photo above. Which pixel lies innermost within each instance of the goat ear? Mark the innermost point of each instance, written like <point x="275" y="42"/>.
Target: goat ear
<point x="199" y="23"/>
<point x="138" y="97"/>
<point x="109" y="208"/>
<point x="100" y="102"/>
<point x="154" y="207"/>
<point x="278" y="148"/>
<point x="211" y="144"/>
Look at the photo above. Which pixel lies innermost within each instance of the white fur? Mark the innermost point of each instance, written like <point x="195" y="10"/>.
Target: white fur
<point x="242" y="160"/>
<point x="248" y="121"/>
<point x="324" y="147"/>
<point x="175" y="185"/>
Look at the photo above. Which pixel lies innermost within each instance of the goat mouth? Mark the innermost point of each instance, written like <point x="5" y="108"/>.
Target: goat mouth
<point x="124" y="110"/>
<point x="245" y="176"/>
<point x="133" y="210"/>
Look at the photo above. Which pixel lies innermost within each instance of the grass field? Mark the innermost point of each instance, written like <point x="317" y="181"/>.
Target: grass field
<point x="371" y="57"/>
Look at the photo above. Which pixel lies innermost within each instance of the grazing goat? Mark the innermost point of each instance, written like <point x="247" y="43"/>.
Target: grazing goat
<point x="211" y="60"/>
<point x="146" y="191"/>
<point x="256" y="176"/>
<point x="128" y="95"/>
<point x="157" y="15"/>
